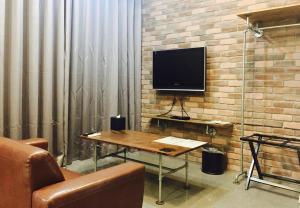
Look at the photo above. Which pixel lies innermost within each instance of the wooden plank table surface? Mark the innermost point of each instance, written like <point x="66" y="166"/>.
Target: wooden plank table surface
<point x="139" y="140"/>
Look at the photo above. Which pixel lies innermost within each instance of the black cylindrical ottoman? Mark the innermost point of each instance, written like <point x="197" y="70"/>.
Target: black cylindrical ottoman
<point x="214" y="162"/>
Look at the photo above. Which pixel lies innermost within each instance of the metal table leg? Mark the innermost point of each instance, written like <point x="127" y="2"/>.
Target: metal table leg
<point x="125" y="155"/>
<point x="95" y="155"/>
<point x="187" y="186"/>
<point x="160" y="177"/>
<point x="254" y="153"/>
<point x="253" y="163"/>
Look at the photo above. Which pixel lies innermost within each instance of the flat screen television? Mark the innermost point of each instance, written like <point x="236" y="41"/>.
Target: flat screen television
<point x="179" y="70"/>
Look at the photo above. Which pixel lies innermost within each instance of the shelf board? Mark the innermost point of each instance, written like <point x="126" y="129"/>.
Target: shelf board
<point x="217" y="124"/>
<point x="272" y="14"/>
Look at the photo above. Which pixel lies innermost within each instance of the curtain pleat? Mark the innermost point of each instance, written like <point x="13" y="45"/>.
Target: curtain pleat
<point x="32" y="70"/>
<point x="2" y="66"/>
<point x="15" y="68"/>
<point x="123" y="58"/>
<point x="33" y="67"/>
<point x="104" y="72"/>
<point x="135" y="105"/>
<point x="66" y="67"/>
<point x="131" y="62"/>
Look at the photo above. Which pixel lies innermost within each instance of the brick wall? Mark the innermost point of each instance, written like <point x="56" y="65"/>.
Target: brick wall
<point x="272" y="75"/>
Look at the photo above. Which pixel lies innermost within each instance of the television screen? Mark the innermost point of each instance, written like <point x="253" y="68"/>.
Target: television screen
<point x="179" y="70"/>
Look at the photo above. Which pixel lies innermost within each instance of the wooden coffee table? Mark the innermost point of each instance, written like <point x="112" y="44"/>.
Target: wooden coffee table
<point x="145" y="142"/>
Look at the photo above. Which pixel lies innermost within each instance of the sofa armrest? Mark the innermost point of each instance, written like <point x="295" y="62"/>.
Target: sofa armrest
<point x="37" y="142"/>
<point x="117" y="187"/>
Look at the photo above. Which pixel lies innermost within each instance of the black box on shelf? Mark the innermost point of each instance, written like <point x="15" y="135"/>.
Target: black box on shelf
<point x="117" y="123"/>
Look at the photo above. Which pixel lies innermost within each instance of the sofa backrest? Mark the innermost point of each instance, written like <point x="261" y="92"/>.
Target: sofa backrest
<point x="24" y="169"/>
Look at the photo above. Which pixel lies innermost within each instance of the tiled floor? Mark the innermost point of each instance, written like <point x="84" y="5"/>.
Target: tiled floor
<point x="206" y="191"/>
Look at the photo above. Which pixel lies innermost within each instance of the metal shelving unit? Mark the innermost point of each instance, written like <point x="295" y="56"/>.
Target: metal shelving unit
<point x="254" y="21"/>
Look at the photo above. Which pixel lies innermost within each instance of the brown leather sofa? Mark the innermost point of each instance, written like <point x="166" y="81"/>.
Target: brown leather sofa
<point x="31" y="178"/>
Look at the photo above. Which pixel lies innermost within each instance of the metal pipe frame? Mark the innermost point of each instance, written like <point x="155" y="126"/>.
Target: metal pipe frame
<point x="187" y="185"/>
<point x="95" y="155"/>
<point x="298" y="152"/>
<point x="281" y="178"/>
<point x="113" y="155"/>
<point x="260" y="179"/>
<point x="251" y="169"/>
<point x="279" y="26"/>
<point x="125" y="155"/>
<point x="160" y="177"/>
<point x="242" y="172"/>
<point x="259" y="30"/>
<point x="249" y="27"/>
<point x="173" y="170"/>
<point x="160" y="166"/>
<point x="263" y="181"/>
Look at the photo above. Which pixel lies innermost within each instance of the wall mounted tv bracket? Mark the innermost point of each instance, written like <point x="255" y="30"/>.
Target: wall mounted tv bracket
<point x="184" y="114"/>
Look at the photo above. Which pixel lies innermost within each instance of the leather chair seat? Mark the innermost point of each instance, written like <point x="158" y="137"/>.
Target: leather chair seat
<point x="31" y="178"/>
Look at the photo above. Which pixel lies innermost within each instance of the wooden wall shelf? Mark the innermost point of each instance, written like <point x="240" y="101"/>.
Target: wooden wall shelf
<point x="214" y="124"/>
<point x="272" y="14"/>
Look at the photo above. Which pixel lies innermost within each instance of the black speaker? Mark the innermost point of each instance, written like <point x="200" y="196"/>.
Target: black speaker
<point x="117" y="123"/>
<point x="214" y="162"/>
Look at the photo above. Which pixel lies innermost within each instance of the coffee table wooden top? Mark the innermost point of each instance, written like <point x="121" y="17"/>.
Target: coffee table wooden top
<point x="139" y="140"/>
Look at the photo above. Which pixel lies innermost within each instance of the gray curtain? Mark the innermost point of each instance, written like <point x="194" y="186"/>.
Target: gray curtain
<point x="66" y="67"/>
<point x="105" y="67"/>
<point x="32" y="72"/>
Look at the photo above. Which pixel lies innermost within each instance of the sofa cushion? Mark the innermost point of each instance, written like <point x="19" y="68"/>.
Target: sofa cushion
<point x="37" y="142"/>
<point x="24" y="169"/>
<point x="68" y="174"/>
